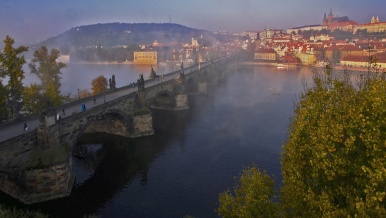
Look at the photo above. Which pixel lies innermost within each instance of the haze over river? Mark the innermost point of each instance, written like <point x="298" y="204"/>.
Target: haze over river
<point x="194" y="154"/>
<point x="80" y="75"/>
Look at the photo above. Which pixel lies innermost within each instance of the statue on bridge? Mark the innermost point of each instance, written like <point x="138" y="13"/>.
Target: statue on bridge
<point x="112" y="83"/>
<point x="153" y="74"/>
<point x="141" y="84"/>
<point x="181" y="77"/>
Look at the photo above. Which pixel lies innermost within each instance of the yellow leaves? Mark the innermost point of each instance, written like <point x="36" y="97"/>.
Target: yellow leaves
<point x="359" y="205"/>
<point x="337" y="149"/>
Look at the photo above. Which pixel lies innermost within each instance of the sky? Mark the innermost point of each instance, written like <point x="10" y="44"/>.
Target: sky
<point x="32" y="21"/>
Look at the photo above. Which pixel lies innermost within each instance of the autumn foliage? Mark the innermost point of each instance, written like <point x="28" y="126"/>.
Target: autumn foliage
<point x="99" y="85"/>
<point x="333" y="162"/>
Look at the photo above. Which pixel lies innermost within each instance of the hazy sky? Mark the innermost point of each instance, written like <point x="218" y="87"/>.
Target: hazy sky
<point x="31" y="21"/>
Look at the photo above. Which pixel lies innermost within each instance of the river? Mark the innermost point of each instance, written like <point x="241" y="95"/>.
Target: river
<point x="194" y="154"/>
<point x="79" y="75"/>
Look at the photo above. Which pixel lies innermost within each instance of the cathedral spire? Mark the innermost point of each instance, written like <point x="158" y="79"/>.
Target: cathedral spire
<point x="324" y="19"/>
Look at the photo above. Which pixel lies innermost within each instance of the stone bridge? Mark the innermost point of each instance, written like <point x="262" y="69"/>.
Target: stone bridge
<point x="37" y="166"/>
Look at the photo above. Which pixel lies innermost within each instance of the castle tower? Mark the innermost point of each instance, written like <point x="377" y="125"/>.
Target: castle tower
<point x="372" y="20"/>
<point x="330" y="17"/>
<point x="377" y="20"/>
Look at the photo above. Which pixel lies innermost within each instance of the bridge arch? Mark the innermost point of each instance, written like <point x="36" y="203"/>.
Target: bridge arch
<point x="111" y="121"/>
<point x="164" y="100"/>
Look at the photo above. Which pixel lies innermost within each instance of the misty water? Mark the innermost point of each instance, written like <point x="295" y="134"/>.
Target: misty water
<point x="194" y="154"/>
<point x="80" y="75"/>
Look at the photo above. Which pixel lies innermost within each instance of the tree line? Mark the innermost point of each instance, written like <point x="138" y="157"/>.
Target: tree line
<point x="36" y="97"/>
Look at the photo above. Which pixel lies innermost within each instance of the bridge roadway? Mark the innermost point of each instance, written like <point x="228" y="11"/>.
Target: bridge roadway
<point x="8" y="131"/>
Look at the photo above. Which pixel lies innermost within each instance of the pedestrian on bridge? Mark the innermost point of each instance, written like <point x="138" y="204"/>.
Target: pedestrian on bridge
<point x="63" y="113"/>
<point x="25" y="127"/>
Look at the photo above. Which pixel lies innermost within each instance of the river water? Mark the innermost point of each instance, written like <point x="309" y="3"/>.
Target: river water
<point x="194" y="154"/>
<point x="79" y="75"/>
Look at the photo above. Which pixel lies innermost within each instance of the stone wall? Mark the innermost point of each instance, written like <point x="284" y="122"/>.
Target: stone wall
<point x="16" y="147"/>
<point x="143" y="126"/>
<point x="182" y="102"/>
<point x="109" y="126"/>
<point x="40" y="184"/>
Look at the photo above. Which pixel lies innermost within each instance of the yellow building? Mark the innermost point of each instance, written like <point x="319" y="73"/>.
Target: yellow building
<point x="145" y="57"/>
<point x="306" y="58"/>
<point x="265" y="54"/>
<point x="375" y="26"/>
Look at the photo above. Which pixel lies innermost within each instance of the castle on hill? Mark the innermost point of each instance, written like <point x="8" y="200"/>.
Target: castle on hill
<point x="331" y="22"/>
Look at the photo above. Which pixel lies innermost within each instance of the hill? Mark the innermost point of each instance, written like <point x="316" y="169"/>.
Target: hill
<point x="113" y="34"/>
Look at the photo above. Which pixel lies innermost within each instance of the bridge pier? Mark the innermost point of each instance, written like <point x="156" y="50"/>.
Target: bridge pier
<point x="142" y="119"/>
<point x="202" y="87"/>
<point x="181" y="102"/>
<point x="43" y="172"/>
<point x="47" y="132"/>
<point x="143" y="126"/>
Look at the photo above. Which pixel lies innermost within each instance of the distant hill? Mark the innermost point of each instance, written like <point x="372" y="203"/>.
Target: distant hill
<point x="112" y="34"/>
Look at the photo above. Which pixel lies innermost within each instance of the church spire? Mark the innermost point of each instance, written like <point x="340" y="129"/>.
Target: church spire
<point x="330" y="14"/>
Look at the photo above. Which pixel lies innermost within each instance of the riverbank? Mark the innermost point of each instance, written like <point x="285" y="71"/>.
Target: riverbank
<point x="294" y="66"/>
<point x="103" y="62"/>
<point x="278" y="65"/>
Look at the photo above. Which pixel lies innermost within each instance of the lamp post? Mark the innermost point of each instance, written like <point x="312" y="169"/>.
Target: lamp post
<point x="78" y="95"/>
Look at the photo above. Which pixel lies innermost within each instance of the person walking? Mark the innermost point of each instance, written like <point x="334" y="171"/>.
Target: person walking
<point x="63" y="113"/>
<point x="25" y="127"/>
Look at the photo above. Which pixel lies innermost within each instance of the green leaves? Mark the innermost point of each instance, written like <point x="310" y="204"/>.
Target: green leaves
<point x="334" y="155"/>
<point x="333" y="162"/>
<point x="252" y="197"/>
<point x="45" y="66"/>
<point x="11" y="65"/>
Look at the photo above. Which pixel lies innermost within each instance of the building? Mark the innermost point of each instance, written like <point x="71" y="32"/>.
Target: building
<point x="363" y="61"/>
<point x="306" y="58"/>
<point x="343" y="23"/>
<point x="296" y="30"/>
<point x="375" y="26"/>
<point x="266" y="54"/>
<point x="64" y="59"/>
<point x="145" y="57"/>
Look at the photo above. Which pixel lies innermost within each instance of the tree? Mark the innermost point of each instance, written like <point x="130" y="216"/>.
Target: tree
<point x="3" y="100"/>
<point x="99" y="85"/>
<point x="333" y="161"/>
<point x="252" y="197"/>
<point x="46" y="67"/>
<point x="33" y="100"/>
<point x="11" y="65"/>
<point x="84" y="93"/>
